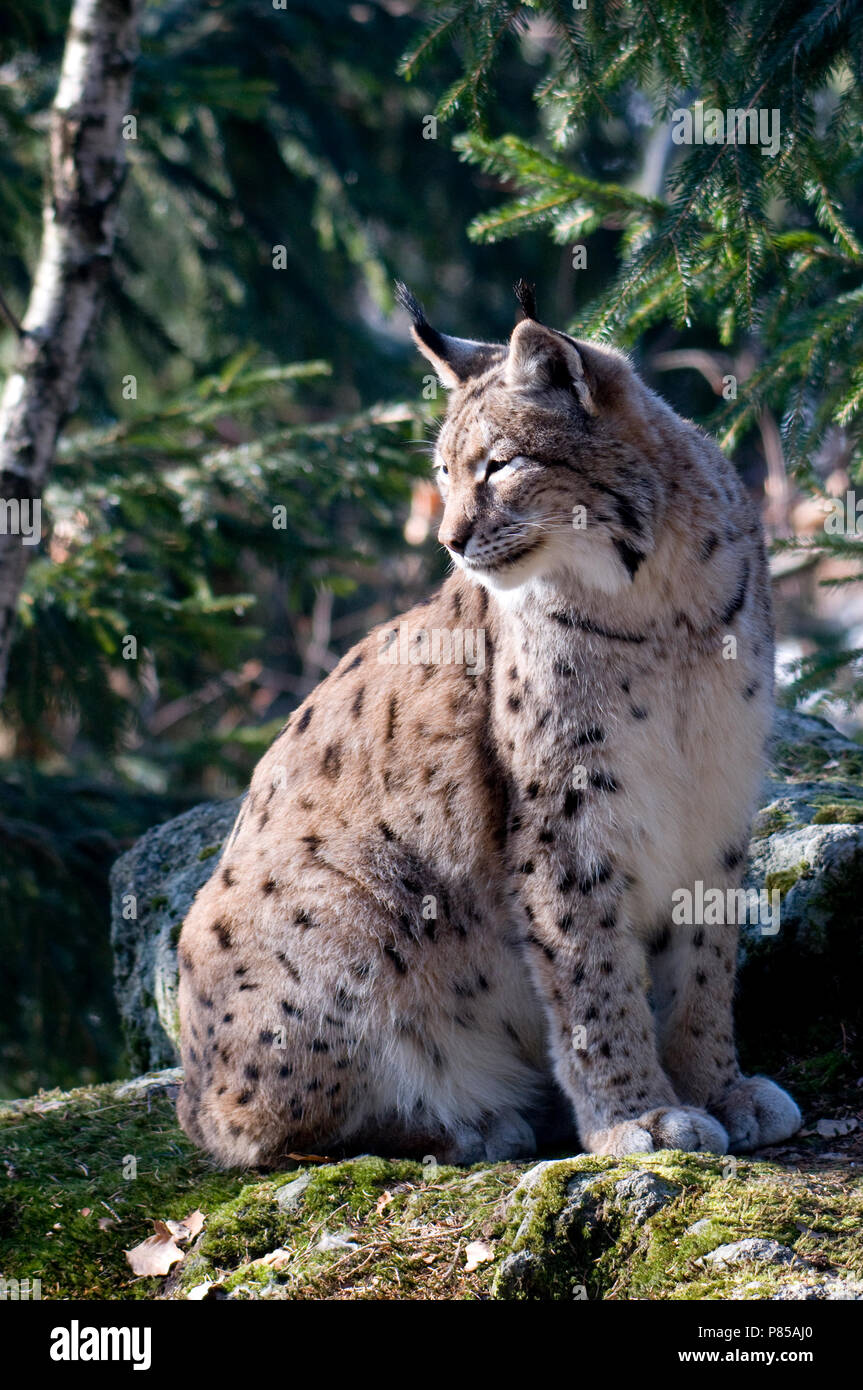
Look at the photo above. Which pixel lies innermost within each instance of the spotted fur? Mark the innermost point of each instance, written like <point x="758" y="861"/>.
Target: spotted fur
<point x="442" y="922"/>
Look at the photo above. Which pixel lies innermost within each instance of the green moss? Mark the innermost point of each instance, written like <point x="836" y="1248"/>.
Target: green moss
<point x="852" y="764"/>
<point x="69" y="1160"/>
<point x="839" y="813"/>
<point x="799" y="759"/>
<point x="785" y="879"/>
<point x="372" y="1228"/>
<point x="243" y="1229"/>
<point x="831" y="1074"/>
<point x="575" y="1231"/>
<point x="157" y="903"/>
<point x="405" y="1229"/>
<point x="357" y="1184"/>
<point x="364" y="1228"/>
<point x="810" y="759"/>
<point x="208" y="851"/>
<point x="771" y="820"/>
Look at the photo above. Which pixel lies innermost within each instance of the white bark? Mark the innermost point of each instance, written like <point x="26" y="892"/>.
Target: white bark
<point x="87" y="164"/>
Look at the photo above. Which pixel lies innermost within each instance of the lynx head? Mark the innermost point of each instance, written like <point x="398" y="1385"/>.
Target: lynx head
<point x="543" y="456"/>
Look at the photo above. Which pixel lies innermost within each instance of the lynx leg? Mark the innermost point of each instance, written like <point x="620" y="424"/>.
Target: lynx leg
<point x="693" y="973"/>
<point x="589" y="966"/>
<point x="692" y="970"/>
<point x="303" y="1036"/>
<point x="273" y="1063"/>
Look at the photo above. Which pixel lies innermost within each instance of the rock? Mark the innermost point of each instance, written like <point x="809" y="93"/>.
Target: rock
<point x="698" y="1227"/>
<point x="831" y="1129"/>
<point x="166" y="1082"/>
<point x="807" y="844"/>
<point x="807" y="840"/>
<point x="830" y="1290"/>
<point x="291" y="1195"/>
<point x="587" y="1209"/>
<point x="88" y="1171"/>
<point x="520" y="1276"/>
<point x="156" y="881"/>
<point x="799" y="984"/>
<point x="643" y="1195"/>
<point x="524" y="1193"/>
<point x="753" y="1250"/>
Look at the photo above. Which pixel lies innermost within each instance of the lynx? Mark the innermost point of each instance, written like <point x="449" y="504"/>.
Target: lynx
<point x="442" y="922"/>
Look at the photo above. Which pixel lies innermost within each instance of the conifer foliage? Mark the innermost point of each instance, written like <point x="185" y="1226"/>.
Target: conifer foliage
<point x="739" y="205"/>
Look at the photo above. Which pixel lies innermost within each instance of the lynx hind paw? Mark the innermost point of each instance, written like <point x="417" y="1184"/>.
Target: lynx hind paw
<point x="505" y="1136"/>
<point x="678" y="1127"/>
<point x="509" y="1136"/>
<point x="757" y="1112"/>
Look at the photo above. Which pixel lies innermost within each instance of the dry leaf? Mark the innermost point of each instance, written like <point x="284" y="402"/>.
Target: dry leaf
<point x="383" y="1202"/>
<point x="188" y="1228"/>
<point x="308" y="1158"/>
<point x="277" y="1259"/>
<point x="156" y="1254"/>
<point x="477" y="1252"/>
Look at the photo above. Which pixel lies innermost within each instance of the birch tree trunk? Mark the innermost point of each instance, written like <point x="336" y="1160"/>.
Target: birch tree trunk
<point x="87" y="165"/>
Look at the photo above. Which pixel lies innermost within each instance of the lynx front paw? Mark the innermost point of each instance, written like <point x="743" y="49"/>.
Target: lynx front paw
<point x="757" y="1112"/>
<point x="677" y="1127"/>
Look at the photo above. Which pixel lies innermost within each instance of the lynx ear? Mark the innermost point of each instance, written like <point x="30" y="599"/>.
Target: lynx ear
<point x="541" y="359"/>
<point x="455" y="360"/>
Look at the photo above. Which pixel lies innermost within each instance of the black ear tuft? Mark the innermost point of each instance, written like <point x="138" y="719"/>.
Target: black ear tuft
<point x="526" y="296"/>
<point x="454" y="359"/>
<point x="422" y="329"/>
<point x="409" y="301"/>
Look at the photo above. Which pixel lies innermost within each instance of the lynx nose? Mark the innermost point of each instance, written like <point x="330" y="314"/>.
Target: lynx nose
<point x="456" y="537"/>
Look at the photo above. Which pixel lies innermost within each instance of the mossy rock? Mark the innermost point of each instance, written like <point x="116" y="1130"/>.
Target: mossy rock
<point x="806" y="748"/>
<point x="847" y="812"/>
<point x="377" y="1229"/>
<point x="152" y="888"/>
<point x="649" y="1228"/>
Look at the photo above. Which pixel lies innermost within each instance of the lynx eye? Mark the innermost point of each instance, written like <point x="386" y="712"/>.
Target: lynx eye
<point x="499" y="465"/>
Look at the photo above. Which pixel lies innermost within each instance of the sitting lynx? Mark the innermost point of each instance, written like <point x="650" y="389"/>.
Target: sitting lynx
<point x="443" y="920"/>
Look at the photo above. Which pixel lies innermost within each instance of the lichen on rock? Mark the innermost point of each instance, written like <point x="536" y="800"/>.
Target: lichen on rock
<point x="152" y="888"/>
